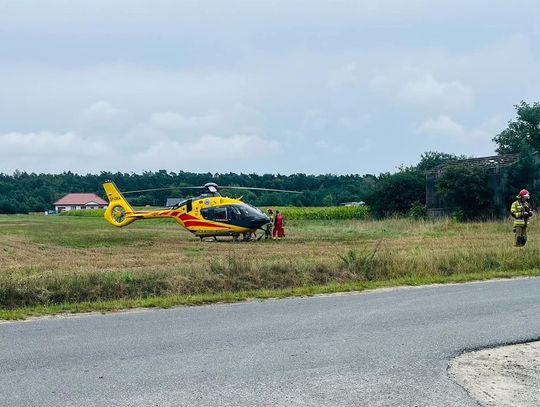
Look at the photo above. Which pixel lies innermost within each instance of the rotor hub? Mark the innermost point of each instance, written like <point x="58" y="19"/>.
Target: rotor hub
<point x="212" y="187"/>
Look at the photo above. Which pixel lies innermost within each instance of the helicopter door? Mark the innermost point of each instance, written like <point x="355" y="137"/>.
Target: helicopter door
<point x="217" y="214"/>
<point x="221" y="215"/>
<point x="189" y="205"/>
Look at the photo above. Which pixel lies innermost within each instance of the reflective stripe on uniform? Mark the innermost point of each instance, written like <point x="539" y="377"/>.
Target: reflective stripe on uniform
<point x="517" y="209"/>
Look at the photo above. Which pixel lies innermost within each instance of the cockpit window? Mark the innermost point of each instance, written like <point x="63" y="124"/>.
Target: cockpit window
<point x="244" y="211"/>
<point x="235" y="212"/>
<point x="218" y="214"/>
<point x="251" y="211"/>
<point x="227" y="213"/>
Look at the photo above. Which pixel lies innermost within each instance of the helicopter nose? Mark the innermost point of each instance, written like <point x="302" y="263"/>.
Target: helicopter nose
<point x="261" y="221"/>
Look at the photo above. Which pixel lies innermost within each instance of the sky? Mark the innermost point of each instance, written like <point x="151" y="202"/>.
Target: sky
<point x="316" y="87"/>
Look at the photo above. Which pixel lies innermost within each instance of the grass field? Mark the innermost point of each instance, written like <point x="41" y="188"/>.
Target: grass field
<point x="52" y="264"/>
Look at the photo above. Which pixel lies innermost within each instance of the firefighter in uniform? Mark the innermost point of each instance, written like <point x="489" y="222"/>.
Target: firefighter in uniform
<point x="521" y="212"/>
<point x="279" y="232"/>
<point x="270" y="226"/>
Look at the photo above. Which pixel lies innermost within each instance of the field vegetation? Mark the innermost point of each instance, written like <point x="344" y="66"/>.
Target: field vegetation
<point x="51" y="264"/>
<point x="293" y="213"/>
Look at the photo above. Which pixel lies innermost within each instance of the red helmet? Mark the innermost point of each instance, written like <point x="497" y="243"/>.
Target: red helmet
<point x="270" y="210"/>
<point x="523" y="193"/>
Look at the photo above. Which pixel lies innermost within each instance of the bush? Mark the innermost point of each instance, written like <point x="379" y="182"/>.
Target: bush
<point x="86" y="213"/>
<point x="393" y="194"/>
<point x="466" y="189"/>
<point x="418" y="211"/>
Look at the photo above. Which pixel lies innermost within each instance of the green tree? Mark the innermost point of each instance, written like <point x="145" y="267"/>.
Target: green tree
<point x="524" y="131"/>
<point x="329" y="200"/>
<point x="395" y="194"/>
<point x="523" y="174"/>
<point x="465" y="189"/>
<point x="431" y="159"/>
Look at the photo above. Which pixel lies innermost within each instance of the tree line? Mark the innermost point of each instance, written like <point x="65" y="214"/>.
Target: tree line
<point x="22" y="192"/>
<point x="466" y="189"/>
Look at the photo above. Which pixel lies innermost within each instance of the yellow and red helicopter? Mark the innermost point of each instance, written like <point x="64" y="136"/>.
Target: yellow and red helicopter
<point x="208" y="215"/>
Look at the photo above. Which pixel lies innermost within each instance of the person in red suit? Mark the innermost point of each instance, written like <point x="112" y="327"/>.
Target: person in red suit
<point x="278" y="231"/>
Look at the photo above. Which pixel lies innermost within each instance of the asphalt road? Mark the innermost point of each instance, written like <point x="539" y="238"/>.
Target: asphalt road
<point x="385" y="348"/>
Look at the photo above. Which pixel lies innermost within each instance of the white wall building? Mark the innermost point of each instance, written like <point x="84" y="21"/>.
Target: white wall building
<point x="76" y="201"/>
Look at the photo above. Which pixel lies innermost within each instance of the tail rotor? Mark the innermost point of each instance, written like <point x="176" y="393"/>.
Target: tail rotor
<point x="118" y="211"/>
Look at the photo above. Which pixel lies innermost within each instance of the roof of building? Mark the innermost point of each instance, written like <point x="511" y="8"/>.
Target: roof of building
<point x="80" y="199"/>
<point x="173" y="201"/>
<point x="495" y="161"/>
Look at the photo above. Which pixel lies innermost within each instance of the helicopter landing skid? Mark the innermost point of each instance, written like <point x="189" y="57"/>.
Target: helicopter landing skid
<point x="214" y="238"/>
<point x="255" y="236"/>
<point x="263" y="234"/>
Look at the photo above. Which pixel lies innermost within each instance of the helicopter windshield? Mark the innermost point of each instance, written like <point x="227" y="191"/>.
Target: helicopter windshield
<point x="244" y="211"/>
<point x="226" y="213"/>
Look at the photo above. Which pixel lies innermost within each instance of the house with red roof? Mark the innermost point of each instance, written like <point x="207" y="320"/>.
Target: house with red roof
<point x="75" y="201"/>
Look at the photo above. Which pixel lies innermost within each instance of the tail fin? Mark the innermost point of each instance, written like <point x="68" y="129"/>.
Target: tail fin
<point x="119" y="210"/>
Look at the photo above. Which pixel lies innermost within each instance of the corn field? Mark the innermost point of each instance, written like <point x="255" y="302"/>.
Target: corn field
<point x="290" y="213"/>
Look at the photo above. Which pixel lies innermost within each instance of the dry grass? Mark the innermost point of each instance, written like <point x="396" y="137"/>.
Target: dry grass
<point x="55" y="260"/>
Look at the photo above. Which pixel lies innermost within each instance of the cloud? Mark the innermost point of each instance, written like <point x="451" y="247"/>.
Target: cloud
<point x="145" y="147"/>
<point x="446" y="127"/>
<point x="444" y="96"/>
<point x="322" y="145"/>
<point x="177" y="121"/>
<point x="378" y="81"/>
<point x="206" y="151"/>
<point x="236" y="119"/>
<point x="315" y="120"/>
<point x="346" y="75"/>
<point x="332" y="147"/>
<point x="440" y="126"/>
<point x="101" y="118"/>
<point x="106" y="137"/>
<point x="45" y="143"/>
<point x="46" y="151"/>
<point x="150" y="149"/>
<point x="292" y="134"/>
<point x="353" y="122"/>
<point x="101" y="110"/>
<point x="270" y="70"/>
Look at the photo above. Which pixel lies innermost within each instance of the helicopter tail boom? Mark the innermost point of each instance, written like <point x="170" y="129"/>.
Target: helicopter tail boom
<point x="119" y="213"/>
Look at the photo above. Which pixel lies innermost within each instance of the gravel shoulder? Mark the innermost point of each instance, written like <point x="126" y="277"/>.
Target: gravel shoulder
<point x="504" y="376"/>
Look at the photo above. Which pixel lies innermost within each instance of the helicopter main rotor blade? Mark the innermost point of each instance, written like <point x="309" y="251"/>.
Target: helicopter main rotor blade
<point x="217" y="188"/>
<point x="159" y="189"/>
<point x="262" y="189"/>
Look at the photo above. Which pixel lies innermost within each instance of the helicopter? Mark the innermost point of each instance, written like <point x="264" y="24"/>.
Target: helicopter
<point x="207" y="215"/>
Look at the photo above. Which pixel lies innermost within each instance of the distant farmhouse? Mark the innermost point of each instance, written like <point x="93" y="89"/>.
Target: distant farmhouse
<point x="497" y="169"/>
<point x="358" y="203"/>
<point x="75" y="201"/>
